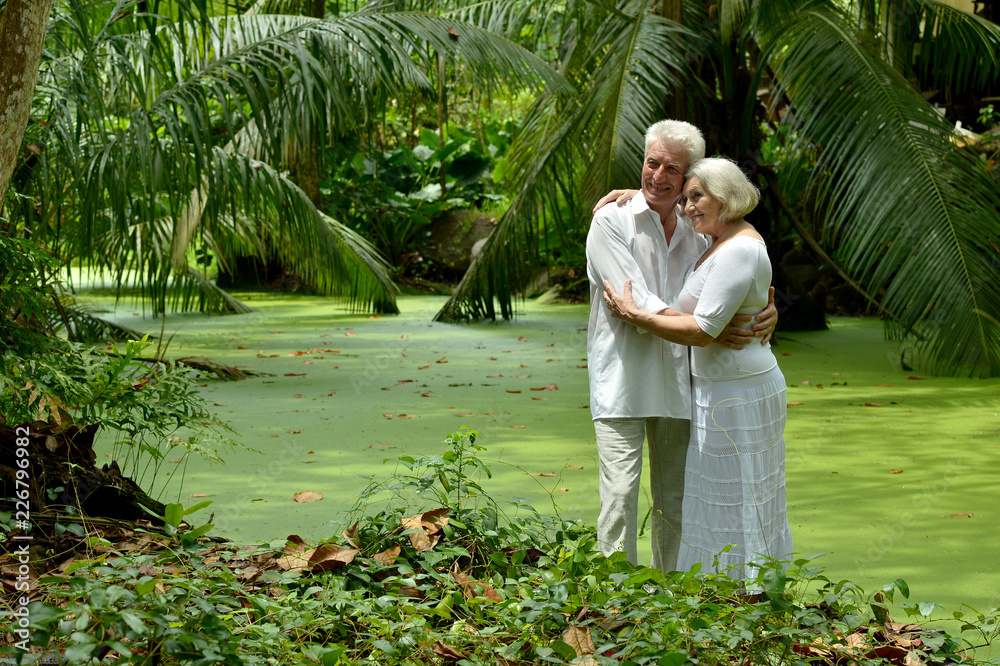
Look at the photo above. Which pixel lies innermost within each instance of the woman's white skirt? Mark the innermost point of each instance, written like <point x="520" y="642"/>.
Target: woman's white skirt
<point x="734" y="485"/>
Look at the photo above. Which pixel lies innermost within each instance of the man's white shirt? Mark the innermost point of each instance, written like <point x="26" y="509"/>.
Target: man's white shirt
<point x="634" y="374"/>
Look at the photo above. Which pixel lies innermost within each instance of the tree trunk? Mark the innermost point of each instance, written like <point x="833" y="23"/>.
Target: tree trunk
<point x="22" y="35"/>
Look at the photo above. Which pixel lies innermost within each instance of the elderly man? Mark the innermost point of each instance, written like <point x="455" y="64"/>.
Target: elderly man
<point x="639" y="383"/>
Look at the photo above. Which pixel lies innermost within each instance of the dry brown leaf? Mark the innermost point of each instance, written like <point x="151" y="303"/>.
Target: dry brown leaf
<point x="308" y="496"/>
<point x="353" y="533"/>
<point x="431" y="523"/>
<point x="447" y="653"/>
<point x="331" y="557"/>
<point x="469" y="587"/>
<point x="579" y="639"/>
<point x="550" y="387"/>
<point x="296" y="561"/>
<point x="388" y="556"/>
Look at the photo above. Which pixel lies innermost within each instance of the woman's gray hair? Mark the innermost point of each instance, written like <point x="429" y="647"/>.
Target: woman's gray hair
<point x="678" y="131"/>
<point x="724" y="180"/>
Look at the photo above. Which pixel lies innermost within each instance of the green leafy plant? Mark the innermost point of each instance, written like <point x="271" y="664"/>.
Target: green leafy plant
<point x="490" y="590"/>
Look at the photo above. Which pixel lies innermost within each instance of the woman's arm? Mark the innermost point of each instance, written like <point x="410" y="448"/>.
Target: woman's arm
<point x="670" y="325"/>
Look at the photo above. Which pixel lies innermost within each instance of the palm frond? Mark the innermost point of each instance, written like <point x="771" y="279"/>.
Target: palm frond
<point x="138" y="105"/>
<point x="625" y="74"/>
<point x="913" y="212"/>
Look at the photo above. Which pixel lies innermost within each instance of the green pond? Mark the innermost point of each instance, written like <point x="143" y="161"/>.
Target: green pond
<point x="891" y="473"/>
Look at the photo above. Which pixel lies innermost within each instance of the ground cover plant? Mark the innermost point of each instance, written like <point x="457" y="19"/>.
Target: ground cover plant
<point x="431" y="569"/>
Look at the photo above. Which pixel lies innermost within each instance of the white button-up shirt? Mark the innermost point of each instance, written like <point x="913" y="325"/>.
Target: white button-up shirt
<point x="634" y="374"/>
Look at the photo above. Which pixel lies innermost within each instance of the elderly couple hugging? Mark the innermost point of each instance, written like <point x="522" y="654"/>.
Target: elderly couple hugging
<point x="676" y="267"/>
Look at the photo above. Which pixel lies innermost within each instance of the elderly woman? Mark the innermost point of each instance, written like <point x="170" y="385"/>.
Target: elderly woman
<point x="735" y="475"/>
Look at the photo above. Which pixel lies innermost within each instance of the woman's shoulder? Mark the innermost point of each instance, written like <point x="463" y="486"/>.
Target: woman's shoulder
<point x="744" y="244"/>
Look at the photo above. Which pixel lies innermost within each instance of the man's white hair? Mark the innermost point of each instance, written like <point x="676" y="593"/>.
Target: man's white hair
<point x="723" y="179"/>
<point x="680" y="132"/>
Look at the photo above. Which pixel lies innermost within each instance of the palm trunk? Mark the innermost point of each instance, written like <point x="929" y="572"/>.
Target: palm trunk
<point x="22" y="35"/>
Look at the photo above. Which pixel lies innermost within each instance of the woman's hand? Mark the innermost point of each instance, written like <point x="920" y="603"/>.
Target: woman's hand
<point x="622" y="197"/>
<point x="620" y="306"/>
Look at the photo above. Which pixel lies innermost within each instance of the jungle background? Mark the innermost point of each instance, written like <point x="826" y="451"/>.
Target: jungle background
<point x="190" y="152"/>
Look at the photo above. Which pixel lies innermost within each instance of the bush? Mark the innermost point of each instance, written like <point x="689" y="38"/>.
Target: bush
<point x="431" y="569"/>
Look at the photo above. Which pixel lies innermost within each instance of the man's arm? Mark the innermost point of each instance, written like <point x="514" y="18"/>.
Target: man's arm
<point x="610" y="258"/>
<point x="621" y="197"/>
<point x="763" y="327"/>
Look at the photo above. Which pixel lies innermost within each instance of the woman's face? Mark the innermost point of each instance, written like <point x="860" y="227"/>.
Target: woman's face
<point x="702" y="208"/>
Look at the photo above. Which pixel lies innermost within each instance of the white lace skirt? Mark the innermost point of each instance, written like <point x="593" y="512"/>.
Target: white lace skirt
<point x="734" y="485"/>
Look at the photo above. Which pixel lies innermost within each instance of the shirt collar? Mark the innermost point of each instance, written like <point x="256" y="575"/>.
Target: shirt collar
<point x="638" y="205"/>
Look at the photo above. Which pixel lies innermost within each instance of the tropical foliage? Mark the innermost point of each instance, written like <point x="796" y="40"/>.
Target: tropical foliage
<point x="431" y="569"/>
<point x="161" y="136"/>
<point x="864" y="158"/>
<point x="169" y="139"/>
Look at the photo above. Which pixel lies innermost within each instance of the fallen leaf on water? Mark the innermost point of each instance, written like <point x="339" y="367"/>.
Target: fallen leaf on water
<point x="423" y="367"/>
<point x="914" y="377"/>
<point x="295" y="374"/>
<point x="519" y="427"/>
<point x="350" y="335"/>
<point x="874" y="404"/>
<point x="786" y="353"/>
<point x="956" y="515"/>
<point x="562" y="490"/>
<point x="895" y="471"/>
<point x="443" y="359"/>
<point x="540" y="473"/>
<point x="582" y="366"/>
<point x="550" y="387"/>
<point x="574" y="466"/>
<point x="298" y="395"/>
<point x="240" y="347"/>
<point x="307" y="496"/>
<point x="294" y="432"/>
<point x="176" y="460"/>
<point x="383" y="444"/>
<point x="199" y="495"/>
<point x="493" y="358"/>
<point x="465" y="416"/>
<point x="409" y="416"/>
<point x="806" y="382"/>
<point x="513" y="391"/>
<point x="535" y="397"/>
<point x="388" y="416"/>
<point x="794" y="404"/>
<point x="428" y="394"/>
<point x="523" y="339"/>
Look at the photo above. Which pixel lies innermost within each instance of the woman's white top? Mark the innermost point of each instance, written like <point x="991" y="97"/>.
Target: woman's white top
<point x="733" y="280"/>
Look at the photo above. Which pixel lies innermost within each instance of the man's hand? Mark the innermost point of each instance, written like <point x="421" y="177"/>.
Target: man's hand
<point x="621" y="196"/>
<point x="766" y="320"/>
<point x="763" y="327"/>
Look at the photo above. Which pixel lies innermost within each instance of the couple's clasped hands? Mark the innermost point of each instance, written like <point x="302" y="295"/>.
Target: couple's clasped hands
<point x="622" y="306"/>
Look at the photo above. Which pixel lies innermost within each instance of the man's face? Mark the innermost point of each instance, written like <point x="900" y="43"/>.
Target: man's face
<point x="663" y="175"/>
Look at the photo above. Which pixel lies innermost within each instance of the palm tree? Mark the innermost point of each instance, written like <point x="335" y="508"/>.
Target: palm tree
<point x="159" y="136"/>
<point x="875" y="169"/>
